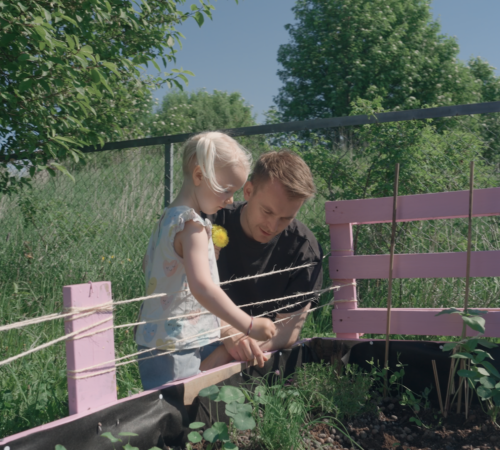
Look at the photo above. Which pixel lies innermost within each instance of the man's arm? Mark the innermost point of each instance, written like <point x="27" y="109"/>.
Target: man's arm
<point x="243" y="348"/>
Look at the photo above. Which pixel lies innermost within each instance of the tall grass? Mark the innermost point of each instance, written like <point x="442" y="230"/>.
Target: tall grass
<point x="97" y="228"/>
<point x="61" y="233"/>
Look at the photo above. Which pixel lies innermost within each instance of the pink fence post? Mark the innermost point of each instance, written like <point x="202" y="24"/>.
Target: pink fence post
<point x="90" y="392"/>
<point x="342" y="245"/>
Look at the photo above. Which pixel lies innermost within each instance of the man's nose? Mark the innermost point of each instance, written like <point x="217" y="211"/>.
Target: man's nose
<point x="273" y="224"/>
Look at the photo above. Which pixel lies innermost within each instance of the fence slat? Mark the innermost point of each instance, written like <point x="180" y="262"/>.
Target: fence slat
<point x="93" y="392"/>
<point x="342" y="244"/>
<point x="421" y="322"/>
<point x="445" y="205"/>
<point x="422" y="265"/>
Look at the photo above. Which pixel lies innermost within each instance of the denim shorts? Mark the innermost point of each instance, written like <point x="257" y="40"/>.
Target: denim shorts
<point x="169" y="367"/>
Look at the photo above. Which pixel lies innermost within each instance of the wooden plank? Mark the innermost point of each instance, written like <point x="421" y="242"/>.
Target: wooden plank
<point x="226" y="371"/>
<point x="423" y="265"/>
<point x="94" y="392"/>
<point x="421" y="322"/>
<point x="193" y="386"/>
<point x="342" y="245"/>
<point x="444" y="205"/>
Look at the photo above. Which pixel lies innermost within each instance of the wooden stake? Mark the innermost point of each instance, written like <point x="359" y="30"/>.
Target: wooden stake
<point x="467" y="288"/>
<point x="459" y="401"/>
<point x="438" y="388"/>
<point x="466" y="390"/>
<point x="391" y="264"/>
<point x="451" y="386"/>
<point x="469" y="242"/>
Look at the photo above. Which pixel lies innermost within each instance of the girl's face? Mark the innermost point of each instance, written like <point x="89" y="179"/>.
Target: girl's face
<point x="230" y="178"/>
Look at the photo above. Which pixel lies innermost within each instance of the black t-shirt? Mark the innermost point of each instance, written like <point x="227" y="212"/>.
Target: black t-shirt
<point x="242" y="257"/>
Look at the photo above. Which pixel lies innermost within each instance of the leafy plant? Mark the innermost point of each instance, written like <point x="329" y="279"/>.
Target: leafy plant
<point x="239" y="412"/>
<point x="406" y="397"/>
<point x="481" y="375"/>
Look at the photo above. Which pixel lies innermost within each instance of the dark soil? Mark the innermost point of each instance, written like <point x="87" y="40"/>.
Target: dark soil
<point x="392" y="429"/>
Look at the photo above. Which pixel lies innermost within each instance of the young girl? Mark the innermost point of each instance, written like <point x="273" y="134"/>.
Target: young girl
<point x="180" y="262"/>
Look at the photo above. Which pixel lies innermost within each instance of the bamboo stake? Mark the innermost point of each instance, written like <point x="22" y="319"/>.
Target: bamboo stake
<point x="451" y="385"/>
<point x="391" y="264"/>
<point x="459" y="401"/>
<point x="467" y="279"/>
<point x="458" y="391"/>
<point x="466" y="389"/>
<point x="469" y="242"/>
<point x="438" y="388"/>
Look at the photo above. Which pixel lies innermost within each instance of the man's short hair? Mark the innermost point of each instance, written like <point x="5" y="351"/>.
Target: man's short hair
<point x="289" y="169"/>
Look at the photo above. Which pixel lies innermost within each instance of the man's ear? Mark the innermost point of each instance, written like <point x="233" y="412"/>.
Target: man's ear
<point x="197" y="176"/>
<point x="248" y="190"/>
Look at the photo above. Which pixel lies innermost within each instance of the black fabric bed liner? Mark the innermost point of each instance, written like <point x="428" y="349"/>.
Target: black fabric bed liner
<point x="165" y="421"/>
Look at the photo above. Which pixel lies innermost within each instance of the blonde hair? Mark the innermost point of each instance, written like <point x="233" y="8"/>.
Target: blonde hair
<point x="210" y="149"/>
<point x="289" y="169"/>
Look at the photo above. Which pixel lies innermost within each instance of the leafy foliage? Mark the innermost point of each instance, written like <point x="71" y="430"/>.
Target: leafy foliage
<point x="359" y="163"/>
<point x="70" y="75"/>
<point x="193" y="112"/>
<point x="343" y="50"/>
<point x="478" y="372"/>
<point x="240" y="413"/>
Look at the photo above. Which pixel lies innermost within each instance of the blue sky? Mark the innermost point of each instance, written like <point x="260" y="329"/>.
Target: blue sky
<point x="237" y="50"/>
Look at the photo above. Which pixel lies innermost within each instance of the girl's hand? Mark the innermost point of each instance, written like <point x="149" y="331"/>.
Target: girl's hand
<point x="217" y="252"/>
<point x="262" y="329"/>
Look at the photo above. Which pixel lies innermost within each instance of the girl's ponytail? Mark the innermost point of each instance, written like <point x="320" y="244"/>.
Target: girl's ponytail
<point x="206" y="153"/>
<point x="212" y="148"/>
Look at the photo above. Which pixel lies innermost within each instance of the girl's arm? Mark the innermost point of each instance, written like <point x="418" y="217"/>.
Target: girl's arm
<point x="192" y="245"/>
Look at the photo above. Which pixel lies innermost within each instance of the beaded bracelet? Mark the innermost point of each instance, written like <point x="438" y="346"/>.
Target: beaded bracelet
<point x="250" y="327"/>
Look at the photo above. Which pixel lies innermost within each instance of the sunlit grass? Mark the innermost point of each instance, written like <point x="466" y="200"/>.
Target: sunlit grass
<point x="97" y="229"/>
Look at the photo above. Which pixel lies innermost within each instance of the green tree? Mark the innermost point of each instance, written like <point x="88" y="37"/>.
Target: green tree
<point x="70" y="74"/>
<point x="362" y="165"/>
<point x="193" y="112"/>
<point x="342" y="50"/>
<point x="488" y="85"/>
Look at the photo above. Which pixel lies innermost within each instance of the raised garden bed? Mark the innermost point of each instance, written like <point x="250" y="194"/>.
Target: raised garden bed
<point x="162" y="418"/>
<point x="359" y="417"/>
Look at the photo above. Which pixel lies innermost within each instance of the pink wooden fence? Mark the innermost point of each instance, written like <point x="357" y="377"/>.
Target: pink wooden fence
<point x="345" y="267"/>
<point x="95" y="390"/>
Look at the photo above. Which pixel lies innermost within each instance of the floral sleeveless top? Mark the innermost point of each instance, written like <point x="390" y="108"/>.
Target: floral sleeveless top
<point x="165" y="273"/>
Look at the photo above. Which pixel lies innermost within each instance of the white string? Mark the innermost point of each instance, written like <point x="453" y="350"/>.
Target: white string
<point x="90" y="310"/>
<point x="265" y="274"/>
<point x="319" y="292"/>
<point x="55" y="341"/>
<point x="77" y="334"/>
<point x="149" y="349"/>
<point x="173" y="351"/>
<point x="260" y="275"/>
<point x="127" y="325"/>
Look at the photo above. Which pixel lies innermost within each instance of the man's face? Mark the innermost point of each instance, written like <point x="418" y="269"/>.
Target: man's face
<point x="269" y="210"/>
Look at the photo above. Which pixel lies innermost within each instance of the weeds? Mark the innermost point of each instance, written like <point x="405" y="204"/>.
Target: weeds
<point x="334" y="389"/>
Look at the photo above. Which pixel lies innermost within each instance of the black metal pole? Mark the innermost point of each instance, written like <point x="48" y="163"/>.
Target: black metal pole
<point x="169" y="174"/>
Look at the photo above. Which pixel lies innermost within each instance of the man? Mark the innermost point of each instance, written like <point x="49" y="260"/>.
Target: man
<point x="265" y="236"/>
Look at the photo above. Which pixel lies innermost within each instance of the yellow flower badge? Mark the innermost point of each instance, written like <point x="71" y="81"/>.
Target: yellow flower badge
<point x="219" y="236"/>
